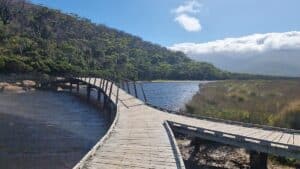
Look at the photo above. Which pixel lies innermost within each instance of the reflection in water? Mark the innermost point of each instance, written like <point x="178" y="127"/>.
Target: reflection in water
<point x="41" y="130"/>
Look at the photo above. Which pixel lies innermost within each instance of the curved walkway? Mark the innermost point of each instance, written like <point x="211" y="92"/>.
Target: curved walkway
<point x="140" y="136"/>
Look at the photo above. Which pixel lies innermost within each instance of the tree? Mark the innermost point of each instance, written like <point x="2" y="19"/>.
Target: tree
<point x="5" y="11"/>
<point x="48" y="41"/>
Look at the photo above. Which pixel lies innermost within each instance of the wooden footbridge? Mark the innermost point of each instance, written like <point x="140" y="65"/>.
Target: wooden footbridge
<point x="141" y="136"/>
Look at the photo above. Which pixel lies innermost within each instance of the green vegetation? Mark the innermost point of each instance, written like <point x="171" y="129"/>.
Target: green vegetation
<point x="271" y="102"/>
<point x="38" y="39"/>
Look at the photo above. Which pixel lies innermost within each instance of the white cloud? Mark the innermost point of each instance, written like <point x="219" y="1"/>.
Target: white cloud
<point x="256" y="43"/>
<point x="184" y="15"/>
<point x="251" y="54"/>
<point x="188" y="7"/>
<point x="189" y="23"/>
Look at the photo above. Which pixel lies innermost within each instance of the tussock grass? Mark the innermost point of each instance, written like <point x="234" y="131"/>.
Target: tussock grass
<point x="270" y="102"/>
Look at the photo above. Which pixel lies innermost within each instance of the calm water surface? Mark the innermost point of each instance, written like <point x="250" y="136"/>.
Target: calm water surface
<point x="46" y="130"/>
<point x="170" y="95"/>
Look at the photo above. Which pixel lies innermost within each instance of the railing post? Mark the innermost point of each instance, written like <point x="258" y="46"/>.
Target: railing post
<point x="95" y="81"/>
<point x="123" y="85"/>
<point x="111" y="87"/>
<point x="142" y="87"/>
<point x="128" y="89"/>
<point x="135" y="91"/>
<point x="105" y="95"/>
<point x="117" y="97"/>
<point x="106" y="86"/>
<point x="103" y="83"/>
<point x="100" y="83"/>
<point x="90" y="80"/>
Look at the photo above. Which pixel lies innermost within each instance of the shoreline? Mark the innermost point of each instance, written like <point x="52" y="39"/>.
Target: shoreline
<point x="19" y="86"/>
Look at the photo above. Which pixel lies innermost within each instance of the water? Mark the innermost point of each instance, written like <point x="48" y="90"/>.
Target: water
<point x="46" y="130"/>
<point x="169" y="95"/>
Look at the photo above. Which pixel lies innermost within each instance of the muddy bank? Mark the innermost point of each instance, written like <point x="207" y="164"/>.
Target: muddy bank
<point x="46" y="130"/>
<point x="211" y="155"/>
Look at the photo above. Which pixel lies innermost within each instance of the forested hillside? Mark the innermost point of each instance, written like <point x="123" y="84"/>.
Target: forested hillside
<point x="38" y="39"/>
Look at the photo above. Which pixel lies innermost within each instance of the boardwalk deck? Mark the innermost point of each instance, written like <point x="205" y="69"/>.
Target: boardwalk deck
<point x="139" y="138"/>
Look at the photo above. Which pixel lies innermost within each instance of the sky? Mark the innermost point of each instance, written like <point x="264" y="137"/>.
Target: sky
<point x="250" y="36"/>
<point x="168" y="22"/>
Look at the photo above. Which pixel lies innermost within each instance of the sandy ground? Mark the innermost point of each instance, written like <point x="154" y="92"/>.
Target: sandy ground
<point x="46" y="130"/>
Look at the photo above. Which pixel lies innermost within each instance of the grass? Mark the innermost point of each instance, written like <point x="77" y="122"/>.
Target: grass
<point x="270" y="102"/>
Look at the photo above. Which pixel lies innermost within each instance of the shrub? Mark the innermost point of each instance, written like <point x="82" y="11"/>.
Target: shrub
<point x="16" y="65"/>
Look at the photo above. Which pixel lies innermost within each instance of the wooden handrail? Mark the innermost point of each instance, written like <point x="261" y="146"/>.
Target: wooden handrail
<point x="236" y="136"/>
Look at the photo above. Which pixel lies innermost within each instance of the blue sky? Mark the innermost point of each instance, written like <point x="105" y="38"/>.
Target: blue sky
<point x="162" y="21"/>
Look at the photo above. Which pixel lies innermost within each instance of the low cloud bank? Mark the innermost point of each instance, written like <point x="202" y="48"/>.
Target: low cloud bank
<point x="270" y="53"/>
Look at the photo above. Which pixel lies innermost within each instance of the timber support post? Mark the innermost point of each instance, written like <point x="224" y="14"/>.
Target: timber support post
<point x="71" y="86"/>
<point x="88" y="88"/>
<point x="258" y="160"/>
<point x="77" y="87"/>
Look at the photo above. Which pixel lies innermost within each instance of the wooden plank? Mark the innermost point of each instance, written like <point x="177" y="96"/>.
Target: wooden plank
<point x="285" y="138"/>
<point x="272" y="136"/>
<point x="260" y="134"/>
<point x="297" y="139"/>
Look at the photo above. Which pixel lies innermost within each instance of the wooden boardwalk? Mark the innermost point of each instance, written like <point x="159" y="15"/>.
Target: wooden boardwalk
<point x="140" y="136"/>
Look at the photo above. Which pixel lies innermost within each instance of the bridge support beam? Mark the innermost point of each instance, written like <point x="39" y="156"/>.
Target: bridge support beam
<point x="258" y="160"/>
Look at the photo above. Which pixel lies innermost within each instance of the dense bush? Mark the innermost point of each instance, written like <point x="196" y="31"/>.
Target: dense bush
<point x="39" y="39"/>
